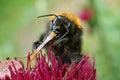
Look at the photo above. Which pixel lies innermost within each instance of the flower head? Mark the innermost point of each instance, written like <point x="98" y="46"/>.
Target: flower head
<point x="84" y="70"/>
<point x="4" y="68"/>
<point x="86" y="14"/>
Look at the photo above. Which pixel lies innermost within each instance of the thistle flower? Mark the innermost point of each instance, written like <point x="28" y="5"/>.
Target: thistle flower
<point x="5" y="73"/>
<point x="86" y="14"/>
<point x="84" y="70"/>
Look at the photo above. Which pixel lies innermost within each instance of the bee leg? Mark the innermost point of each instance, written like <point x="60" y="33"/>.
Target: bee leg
<point x="34" y="54"/>
<point x="35" y="45"/>
<point x="39" y="42"/>
<point x="33" y="59"/>
<point x="76" y="56"/>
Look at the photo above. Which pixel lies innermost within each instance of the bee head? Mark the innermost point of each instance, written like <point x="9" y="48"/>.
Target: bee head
<point x="60" y="26"/>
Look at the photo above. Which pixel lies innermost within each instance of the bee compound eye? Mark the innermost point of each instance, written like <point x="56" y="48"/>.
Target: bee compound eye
<point x="56" y="30"/>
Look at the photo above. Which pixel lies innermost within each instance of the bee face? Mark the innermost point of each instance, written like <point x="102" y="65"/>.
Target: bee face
<point x="60" y="25"/>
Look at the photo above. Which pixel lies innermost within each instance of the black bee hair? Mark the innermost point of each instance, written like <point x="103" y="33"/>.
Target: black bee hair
<point x="68" y="42"/>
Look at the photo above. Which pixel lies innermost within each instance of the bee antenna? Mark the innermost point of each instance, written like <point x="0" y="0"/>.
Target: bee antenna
<point x="47" y="15"/>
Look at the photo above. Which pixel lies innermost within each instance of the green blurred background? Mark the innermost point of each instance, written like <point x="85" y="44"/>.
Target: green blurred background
<point x="19" y="28"/>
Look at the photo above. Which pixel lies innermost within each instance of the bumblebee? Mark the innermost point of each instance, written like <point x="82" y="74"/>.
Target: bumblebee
<point x="64" y="35"/>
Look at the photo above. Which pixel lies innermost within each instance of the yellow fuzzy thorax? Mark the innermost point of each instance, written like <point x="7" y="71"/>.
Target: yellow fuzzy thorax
<point x="70" y="16"/>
